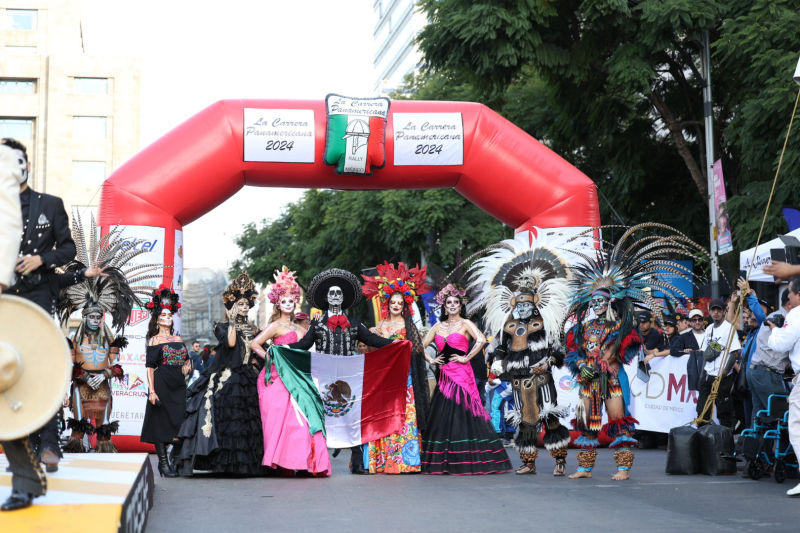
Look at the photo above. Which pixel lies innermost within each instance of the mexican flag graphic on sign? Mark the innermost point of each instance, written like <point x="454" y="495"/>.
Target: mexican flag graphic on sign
<point x="355" y="134"/>
<point x="352" y="399"/>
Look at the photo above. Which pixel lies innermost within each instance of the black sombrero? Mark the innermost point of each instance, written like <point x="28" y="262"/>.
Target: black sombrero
<point x="317" y="293"/>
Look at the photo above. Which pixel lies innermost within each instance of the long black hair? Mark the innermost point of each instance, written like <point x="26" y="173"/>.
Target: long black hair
<point x="152" y="326"/>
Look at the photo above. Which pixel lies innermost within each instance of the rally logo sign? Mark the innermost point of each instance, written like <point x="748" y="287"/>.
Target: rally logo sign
<point x="355" y="134"/>
<point x="138" y="315"/>
<point x="338" y="401"/>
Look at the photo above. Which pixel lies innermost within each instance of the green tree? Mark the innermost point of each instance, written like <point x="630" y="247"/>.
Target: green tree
<point x="355" y="230"/>
<point x="614" y="86"/>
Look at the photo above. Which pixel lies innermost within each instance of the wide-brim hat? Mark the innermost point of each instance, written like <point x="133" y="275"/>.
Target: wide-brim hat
<point x="35" y="367"/>
<point x="317" y="293"/>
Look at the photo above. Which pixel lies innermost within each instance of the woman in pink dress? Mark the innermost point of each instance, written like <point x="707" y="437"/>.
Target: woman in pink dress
<point x="288" y="442"/>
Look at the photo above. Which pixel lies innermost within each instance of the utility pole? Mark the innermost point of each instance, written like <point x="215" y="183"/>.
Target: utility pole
<point x="709" y="127"/>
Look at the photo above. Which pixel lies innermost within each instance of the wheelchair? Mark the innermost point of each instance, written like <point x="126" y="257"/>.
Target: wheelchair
<point x="761" y="445"/>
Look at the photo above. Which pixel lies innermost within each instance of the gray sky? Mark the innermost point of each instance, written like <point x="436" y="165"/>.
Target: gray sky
<point x="195" y="53"/>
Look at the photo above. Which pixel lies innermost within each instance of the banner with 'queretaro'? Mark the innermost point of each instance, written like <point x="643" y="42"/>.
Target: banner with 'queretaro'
<point x="352" y="399"/>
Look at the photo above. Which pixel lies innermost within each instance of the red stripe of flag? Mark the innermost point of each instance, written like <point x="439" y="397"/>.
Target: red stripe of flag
<point x="384" y="390"/>
<point x="375" y="145"/>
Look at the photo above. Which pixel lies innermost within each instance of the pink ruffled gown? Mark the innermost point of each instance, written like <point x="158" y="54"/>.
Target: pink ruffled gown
<point x="287" y="442"/>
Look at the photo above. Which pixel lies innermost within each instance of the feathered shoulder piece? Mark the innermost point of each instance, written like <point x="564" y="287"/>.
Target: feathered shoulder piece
<point x="634" y="267"/>
<point x="408" y="282"/>
<point x="116" y="293"/>
<point x="513" y="268"/>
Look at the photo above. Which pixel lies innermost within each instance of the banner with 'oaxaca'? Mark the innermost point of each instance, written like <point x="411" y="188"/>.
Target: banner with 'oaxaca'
<point x="352" y="399"/>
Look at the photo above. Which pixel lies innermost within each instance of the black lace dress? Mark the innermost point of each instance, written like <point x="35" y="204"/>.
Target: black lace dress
<point x="161" y="422"/>
<point x="222" y="429"/>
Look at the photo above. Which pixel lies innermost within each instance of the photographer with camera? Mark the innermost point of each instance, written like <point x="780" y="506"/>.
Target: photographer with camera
<point x="787" y="339"/>
<point x="765" y="374"/>
<point x="713" y="349"/>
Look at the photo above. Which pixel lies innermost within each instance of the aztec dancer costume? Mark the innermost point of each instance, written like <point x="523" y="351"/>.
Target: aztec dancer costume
<point x="605" y="336"/>
<point x="524" y="294"/>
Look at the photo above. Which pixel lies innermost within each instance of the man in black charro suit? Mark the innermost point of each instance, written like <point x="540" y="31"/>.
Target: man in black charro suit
<point x="46" y="243"/>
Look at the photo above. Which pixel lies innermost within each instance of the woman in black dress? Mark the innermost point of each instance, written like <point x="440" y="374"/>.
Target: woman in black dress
<point x="167" y="362"/>
<point x="222" y="429"/>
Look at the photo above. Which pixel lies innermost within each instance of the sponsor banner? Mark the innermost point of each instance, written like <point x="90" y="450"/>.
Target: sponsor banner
<point x="130" y="395"/>
<point x="355" y="133"/>
<point x="177" y="276"/>
<point x="762" y="257"/>
<point x="724" y="239"/>
<point x="279" y="135"/>
<point x="428" y="139"/>
<point x="660" y="405"/>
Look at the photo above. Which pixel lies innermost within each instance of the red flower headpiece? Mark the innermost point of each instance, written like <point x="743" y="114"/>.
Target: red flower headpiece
<point x="163" y="298"/>
<point x="409" y="282"/>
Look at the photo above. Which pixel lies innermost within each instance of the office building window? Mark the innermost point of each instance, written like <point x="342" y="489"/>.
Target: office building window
<point x="12" y="86"/>
<point x="21" y="19"/>
<point x="88" y="172"/>
<point x="91" y="85"/>
<point x="88" y="128"/>
<point x="16" y="128"/>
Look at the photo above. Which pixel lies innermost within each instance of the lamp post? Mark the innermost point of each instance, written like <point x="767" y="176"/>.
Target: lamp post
<point x="708" y="118"/>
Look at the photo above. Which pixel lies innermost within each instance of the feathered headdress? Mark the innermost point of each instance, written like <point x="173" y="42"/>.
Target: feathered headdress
<point x="163" y="298"/>
<point x="409" y="282"/>
<point x="115" y="294"/>
<point x="515" y="268"/>
<point x="285" y="285"/>
<point x="241" y="287"/>
<point x="633" y="267"/>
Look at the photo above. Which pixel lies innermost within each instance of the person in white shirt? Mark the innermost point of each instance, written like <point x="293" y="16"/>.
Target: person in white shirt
<point x="10" y="217"/>
<point x="718" y="361"/>
<point x="787" y="339"/>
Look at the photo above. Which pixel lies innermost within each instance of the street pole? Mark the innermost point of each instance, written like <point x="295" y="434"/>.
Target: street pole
<point x="709" y="127"/>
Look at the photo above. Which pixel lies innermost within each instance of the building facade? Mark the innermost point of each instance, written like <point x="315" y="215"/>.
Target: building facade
<point x="78" y="114"/>
<point x="396" y="55"/>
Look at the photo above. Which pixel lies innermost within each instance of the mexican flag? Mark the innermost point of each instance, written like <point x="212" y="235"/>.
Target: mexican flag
<point x="352" y="399"/>
<point x="356" y="129"/>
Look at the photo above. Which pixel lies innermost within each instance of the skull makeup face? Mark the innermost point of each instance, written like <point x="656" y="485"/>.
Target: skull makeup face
<point x="599" y="305"/>
<point x="165" y="318"/>
<point x="286" y="304"/>
<point x="93" y="320"/>
<point x="335" y="296"/>
<point x="523" y="310"/>
<point x="396" y="304"/>
<point x="242" y="307"/>
<point x="452" y="305"/>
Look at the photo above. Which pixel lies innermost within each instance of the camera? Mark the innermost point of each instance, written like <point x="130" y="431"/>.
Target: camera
<point x="778" y="320"/>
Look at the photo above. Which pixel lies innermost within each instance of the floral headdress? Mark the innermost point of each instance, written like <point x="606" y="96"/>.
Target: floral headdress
<point x="451" y="290"/>
<point x="408" y="282"/>
<point x="163" y="298"/>
<point x="285" y="285"/>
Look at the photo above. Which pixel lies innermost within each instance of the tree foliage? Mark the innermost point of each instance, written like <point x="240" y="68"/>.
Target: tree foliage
<point x="355" y="230"/>
<point x="615" y="87"/>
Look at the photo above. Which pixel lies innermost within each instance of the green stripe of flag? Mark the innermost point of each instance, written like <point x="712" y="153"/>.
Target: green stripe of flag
<point x="335" y="144"/>
<point x="294" y="368"/>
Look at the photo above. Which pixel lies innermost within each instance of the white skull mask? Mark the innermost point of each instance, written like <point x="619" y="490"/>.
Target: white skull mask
<point x="335" y="296"/>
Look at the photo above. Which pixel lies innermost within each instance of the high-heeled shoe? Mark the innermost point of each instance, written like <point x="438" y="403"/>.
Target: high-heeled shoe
<point x="164" y="468"/>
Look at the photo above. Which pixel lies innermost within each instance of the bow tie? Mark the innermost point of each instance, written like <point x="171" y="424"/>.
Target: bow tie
<point x="338" y="321"/>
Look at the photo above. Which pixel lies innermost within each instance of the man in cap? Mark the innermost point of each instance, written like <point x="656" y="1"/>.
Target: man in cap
<point x="651" y="336"/>
<point x="689" y="342"/>
<point x="719" y="361"/>
<point x="334" y="291"/>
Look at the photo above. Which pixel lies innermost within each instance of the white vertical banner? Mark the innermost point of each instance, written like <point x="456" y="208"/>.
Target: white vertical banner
<point x="130" y="395"/>
<point x="177" y="276"/>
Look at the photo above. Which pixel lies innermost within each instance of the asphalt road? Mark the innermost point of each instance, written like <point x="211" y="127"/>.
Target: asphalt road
<point x="650" y="501"/>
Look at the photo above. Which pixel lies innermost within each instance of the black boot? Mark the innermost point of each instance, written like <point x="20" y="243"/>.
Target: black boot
<point x="164" y="468"/>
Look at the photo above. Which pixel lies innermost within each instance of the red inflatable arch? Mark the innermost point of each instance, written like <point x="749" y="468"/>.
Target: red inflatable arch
<point x="200" y="163"/>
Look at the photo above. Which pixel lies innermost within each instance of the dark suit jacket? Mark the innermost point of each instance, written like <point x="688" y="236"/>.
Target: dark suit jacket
<point x="340" y="342"/>
<point x="46" y="233"/>
<point x="694" y="366"/>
